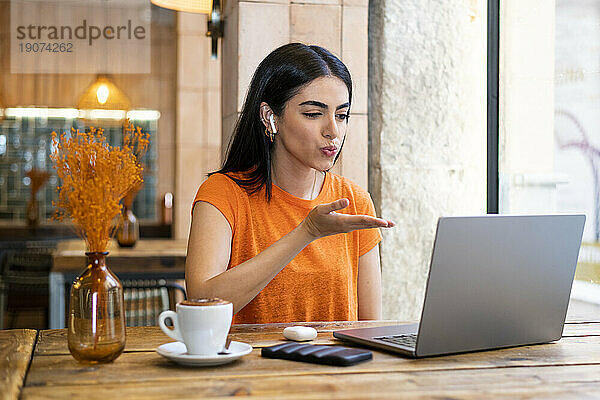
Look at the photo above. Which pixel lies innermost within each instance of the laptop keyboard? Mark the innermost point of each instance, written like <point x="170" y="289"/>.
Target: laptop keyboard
<point x="408" y="340"/>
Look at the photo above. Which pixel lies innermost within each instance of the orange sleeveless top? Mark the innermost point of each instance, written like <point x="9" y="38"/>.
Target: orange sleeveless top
<point x="321" y="282"/>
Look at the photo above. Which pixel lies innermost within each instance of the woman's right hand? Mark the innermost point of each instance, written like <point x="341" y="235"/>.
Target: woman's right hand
<point x="324" y="221"/>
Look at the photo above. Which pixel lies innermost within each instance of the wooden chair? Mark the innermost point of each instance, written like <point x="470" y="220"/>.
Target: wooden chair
<point x="24" y="269"/>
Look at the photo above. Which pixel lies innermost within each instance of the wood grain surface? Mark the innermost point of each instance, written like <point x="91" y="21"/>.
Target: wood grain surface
<point x="569" y="368"/>
<point x="519" y="382"/>
<point x="16" y="347"/>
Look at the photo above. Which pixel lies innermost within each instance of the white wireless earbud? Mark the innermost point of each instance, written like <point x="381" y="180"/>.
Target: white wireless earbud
<point x="272" y="121"/>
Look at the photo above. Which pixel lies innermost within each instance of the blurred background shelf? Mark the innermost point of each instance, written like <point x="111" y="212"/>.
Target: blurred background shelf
<point x="151" y="263"/>
<point x="36" y="276"/>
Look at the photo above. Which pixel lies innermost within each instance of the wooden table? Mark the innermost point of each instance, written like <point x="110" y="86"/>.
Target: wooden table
<point x="16" y="348"/>
<point x="569" y="368"/>
<point x="148" y="259"/>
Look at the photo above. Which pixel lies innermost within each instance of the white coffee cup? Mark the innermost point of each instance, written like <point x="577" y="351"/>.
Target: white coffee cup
<point x="201" y="324"/>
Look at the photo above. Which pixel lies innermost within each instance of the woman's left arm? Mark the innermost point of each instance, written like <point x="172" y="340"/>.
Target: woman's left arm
<point x="369" y="285"/>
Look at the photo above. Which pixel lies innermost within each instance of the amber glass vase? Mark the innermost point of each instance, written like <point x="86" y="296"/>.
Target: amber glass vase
<point x="128" y="231"/>
<point x="96" y="331"/>
<point x="32" y="212"/>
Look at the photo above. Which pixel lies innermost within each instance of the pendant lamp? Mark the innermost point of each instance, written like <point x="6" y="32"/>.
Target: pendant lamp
<point x="103" y="94"/>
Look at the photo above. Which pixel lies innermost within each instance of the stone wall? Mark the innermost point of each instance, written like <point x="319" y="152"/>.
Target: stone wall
<point x="198" y="129"/>
<point x="427" y="125"/>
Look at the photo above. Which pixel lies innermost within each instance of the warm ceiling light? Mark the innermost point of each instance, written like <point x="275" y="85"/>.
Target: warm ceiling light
<point x="103" y="94"/>
<point x="193" y="6"/>
<point x="72" y="113"/>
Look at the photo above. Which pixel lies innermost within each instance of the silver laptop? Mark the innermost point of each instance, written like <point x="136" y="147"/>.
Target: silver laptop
<point x="494" y="281"/>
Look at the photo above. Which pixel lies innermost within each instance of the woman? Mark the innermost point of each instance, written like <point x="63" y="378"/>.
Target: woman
<point x="273" y="231"/>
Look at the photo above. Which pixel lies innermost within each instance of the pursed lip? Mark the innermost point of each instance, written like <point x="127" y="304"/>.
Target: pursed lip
<point x="329" y="148"/>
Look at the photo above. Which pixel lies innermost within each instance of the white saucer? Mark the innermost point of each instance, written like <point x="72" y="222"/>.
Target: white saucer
<point x="177" y="352"/>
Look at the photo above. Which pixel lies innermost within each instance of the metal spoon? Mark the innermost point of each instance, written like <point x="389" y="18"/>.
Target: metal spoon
<point x="226" y="348"/>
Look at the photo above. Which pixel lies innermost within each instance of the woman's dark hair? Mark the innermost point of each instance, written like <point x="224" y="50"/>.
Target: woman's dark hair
<point x="278" y="78"/>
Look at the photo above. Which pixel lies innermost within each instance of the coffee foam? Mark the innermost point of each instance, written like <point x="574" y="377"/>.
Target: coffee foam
<point x="204" y="302"/>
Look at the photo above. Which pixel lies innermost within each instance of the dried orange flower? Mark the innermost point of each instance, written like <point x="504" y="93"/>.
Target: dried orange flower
<point x="95" y="177"/>
<point x="130" y="196"/>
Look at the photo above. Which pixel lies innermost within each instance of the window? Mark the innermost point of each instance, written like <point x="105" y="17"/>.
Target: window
<point x="26" y="143"/>
<point x="548" y="157"/>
